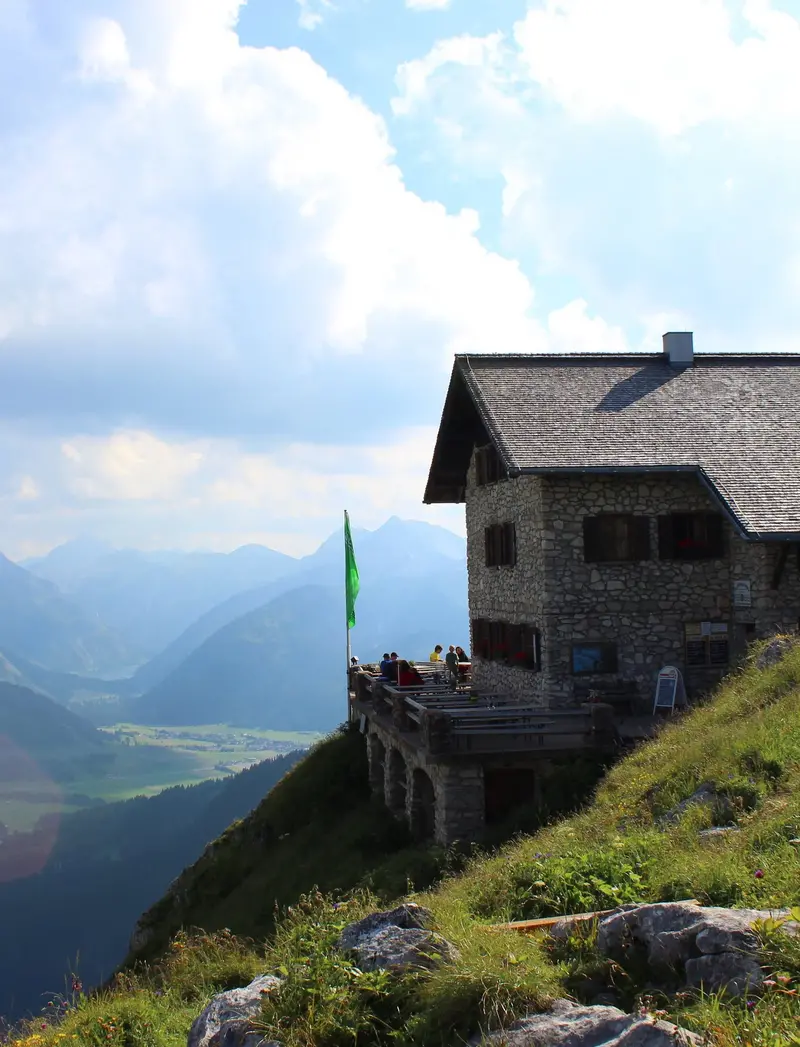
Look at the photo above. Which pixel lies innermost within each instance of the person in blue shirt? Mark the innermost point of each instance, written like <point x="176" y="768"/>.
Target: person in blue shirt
<point x="386" y="666"/>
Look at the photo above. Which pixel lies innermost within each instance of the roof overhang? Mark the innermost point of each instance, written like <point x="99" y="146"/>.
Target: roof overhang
<point x="467" y="422"/>
<point x="462" y="427"/>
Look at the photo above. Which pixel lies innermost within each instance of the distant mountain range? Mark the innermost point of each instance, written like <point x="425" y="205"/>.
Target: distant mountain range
<point x="40" y="624"/>
<point x="270" y="653"/>
<point x="151" y="597"/>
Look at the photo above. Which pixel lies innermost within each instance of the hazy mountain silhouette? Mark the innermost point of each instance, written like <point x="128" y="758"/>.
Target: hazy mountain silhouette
<point x="40" y="624"/>
<point x="44" y="730"/>
<point x="151" y="597"/>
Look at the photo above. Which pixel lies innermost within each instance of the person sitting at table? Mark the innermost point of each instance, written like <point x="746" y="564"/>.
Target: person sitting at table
<point x="392" y="674"/>
<point x="463" y="662"/>
<point x="385" y="666"/>
<point x="436" y="653"/>
<point x="407" y="675"/>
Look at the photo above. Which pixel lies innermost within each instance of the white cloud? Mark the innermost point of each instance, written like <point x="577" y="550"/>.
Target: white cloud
<point x="670" y="63"/>
<point x="428" y="5"/>
<point x="28" y="490"/>
<point x="648" y="156"/>
<point x="312" y="12"/>
<point x="573" y="331"/>
<point x="150" y="490"/>
<point x="415" y="78"/>
<point x="207" y="253"/>
<point x="129" y="466"/>
<point x="189" y="201"/>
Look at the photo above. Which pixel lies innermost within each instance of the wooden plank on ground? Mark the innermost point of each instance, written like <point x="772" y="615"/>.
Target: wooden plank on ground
<point x="525" y="926"/>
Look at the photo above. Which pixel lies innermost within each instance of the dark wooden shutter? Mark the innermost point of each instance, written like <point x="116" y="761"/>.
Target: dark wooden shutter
<point x="639" y="537"/>
<point x="592" y="550"/>
<point x="488" y="546"/>
<point x="509" y="544"/>
<point x="486" y="639"/>
<point x="480" y="467"/>
<point x="666" y="538"/>
<point x="718" y="652"/>
<point x="715" y="535"/>
<point x="527" y="643"/>
<point x="515" y="642"/>
<point x="610" y="660"/>
<point x="480" y="637"/>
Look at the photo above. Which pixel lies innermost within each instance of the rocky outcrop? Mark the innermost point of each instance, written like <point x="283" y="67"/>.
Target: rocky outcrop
<point x="569" y="1025"/>
<point x="228" y="1020"/>
<point x="773" y="651"/>
<point x="705" y="795"/>
<point x="713" y="948"/>
<point x="397" y="940"/>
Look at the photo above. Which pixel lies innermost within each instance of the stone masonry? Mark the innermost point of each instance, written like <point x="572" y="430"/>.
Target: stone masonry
<point x="642" y="607"/>
<point x="415" y="788"/>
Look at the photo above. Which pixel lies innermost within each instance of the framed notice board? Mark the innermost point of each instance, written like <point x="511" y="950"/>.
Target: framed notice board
<point x="670" y="690"/>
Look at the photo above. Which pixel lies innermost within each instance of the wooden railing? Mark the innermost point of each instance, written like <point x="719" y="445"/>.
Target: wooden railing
<point x="444" y="721"/>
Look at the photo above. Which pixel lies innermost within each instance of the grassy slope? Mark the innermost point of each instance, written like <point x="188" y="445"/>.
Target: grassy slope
<point x="318" y="827"/>
<point x="747" y="742"/>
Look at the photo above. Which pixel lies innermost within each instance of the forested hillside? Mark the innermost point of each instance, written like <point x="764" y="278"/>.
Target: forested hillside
<point x="100" y="868"/>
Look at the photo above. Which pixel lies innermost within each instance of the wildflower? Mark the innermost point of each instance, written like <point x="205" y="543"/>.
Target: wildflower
<point x="759" y="874"/>
<point x="769" y="983"/>
<point x="751" y="1005"/>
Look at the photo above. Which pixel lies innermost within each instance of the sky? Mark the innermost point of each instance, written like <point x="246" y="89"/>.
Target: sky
<point x="241" y="243"/>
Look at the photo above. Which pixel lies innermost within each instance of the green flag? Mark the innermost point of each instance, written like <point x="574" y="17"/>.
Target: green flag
<point x="350" y="574"/>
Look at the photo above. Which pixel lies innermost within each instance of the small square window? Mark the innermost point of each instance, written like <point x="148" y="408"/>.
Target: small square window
<point x="594" y="658"/>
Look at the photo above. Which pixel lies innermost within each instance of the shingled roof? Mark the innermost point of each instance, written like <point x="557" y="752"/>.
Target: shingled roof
<point x="732" y="420"/>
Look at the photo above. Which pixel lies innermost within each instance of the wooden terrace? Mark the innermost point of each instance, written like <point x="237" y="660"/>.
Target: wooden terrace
<point x="447" y="721"/>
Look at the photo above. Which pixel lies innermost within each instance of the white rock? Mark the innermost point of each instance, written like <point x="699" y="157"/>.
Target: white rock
<point x="568" y="1025"/>
<point x="227" y="1020"/>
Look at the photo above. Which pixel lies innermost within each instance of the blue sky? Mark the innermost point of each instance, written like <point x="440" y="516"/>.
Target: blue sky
<point x="239" y="245"/>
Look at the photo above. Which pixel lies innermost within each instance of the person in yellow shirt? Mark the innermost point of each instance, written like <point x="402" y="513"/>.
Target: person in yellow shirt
<point x="436" y="654"/>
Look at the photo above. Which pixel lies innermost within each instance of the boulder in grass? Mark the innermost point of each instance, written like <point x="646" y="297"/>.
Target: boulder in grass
<point x="717" y="949"/>
<point x="397" y="940"/>
<point x="569" y="1025"/>
<point x="228" y="1019"/>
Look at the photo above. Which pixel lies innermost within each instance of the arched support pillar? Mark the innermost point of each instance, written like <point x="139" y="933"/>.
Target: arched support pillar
<point x="422" y="814"/>
<point x="376" y="759"/>
<point x="396" y="786"/>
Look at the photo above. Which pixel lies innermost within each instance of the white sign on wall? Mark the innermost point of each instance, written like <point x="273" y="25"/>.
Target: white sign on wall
<point x="741" y="594"/>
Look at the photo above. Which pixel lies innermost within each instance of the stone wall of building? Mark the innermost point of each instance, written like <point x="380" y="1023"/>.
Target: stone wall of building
<point x="642" y="607"/>
<point x="511" y="594"/>
<point x="458" y="793"/>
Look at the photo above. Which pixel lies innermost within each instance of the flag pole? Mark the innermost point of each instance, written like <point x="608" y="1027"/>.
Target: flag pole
<point x="351" y="587"/>
<point x="347" y="623"/>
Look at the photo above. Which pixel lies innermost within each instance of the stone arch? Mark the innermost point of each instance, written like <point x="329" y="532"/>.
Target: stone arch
<point x="376" y="759"/>
<point x="422" y="808"/>
<point x="396" y="782"/>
